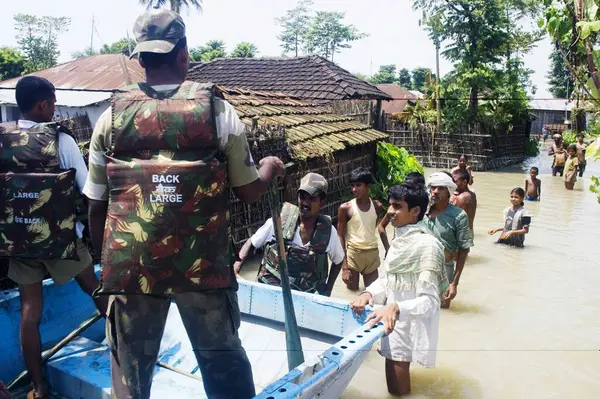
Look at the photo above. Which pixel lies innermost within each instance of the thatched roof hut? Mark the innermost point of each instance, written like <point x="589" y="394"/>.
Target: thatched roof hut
<point x="308" y="136"/>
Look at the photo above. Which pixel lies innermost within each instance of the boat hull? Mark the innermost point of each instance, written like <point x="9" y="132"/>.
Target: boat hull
<point x="334" y="341"/>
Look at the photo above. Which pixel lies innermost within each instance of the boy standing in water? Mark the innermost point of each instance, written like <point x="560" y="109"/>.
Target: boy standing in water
<point x="411" y="289"/>
<point x="571" y="165"/>
<point x="581" y="147"/>
<point x="533" y="185"/>
<point x="357" y="230"/>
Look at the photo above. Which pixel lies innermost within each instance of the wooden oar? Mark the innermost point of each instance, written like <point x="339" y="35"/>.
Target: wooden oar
<point x="292" y="335"/>
<point x="64" y="342"/>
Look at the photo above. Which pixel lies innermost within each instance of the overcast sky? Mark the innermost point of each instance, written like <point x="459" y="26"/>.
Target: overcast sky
<point x="394" y="33"/>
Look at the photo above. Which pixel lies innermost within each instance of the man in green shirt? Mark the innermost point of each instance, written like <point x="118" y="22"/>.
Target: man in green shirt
<point x="450" y="225"/>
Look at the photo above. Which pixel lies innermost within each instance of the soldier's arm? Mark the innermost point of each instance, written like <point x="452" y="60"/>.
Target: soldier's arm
<point x="97" y="219"/>
<point x="96" y="185"/>
<point x="269" y="168"/>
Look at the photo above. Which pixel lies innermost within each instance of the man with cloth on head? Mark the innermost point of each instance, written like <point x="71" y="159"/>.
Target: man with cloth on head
<point x="163" y="158"/>
<point x="309" y="239"/>
<point x="450" y="225"/>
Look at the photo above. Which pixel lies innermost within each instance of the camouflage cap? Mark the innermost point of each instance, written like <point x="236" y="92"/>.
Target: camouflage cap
<point x="157" y="31"/>
<point x="314" y="184"/>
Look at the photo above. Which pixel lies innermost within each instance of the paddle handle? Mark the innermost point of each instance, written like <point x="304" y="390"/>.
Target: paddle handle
<point x="292" y="335"/>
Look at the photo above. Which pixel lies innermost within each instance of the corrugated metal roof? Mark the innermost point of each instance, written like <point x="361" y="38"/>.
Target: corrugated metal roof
<point x="97" y="72"/>
<point x="65" y="98"/>
<point x="401" y="97"/>
<point x="551" y="104"/>
<point x="311" y="130"/>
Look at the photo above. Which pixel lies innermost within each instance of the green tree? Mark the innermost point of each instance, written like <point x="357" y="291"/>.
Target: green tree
<point x="82" y="54"/>
<point x="404" y="79"/>
<point x="386" y="74"/>
<point x="38" y="39"/>
<point x="174" y="5"/>
<point x="559" y="77"/>
<point x="121" y="46"/>
<point x="211" y="50"/>
<point x="327" y="34"/>
<point x="294" y="27"/>
<point x="244" y="50"/>
<point x="12" y="63"/>
<point x="484" y="40"/>
<point x="362" y="76"/>
<point x="419" y="78"/>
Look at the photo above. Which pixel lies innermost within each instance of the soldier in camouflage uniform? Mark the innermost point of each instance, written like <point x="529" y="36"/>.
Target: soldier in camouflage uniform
<point x="309" y="239"/>
<point x="162" y="161"/>
<point x="40" y="169"/>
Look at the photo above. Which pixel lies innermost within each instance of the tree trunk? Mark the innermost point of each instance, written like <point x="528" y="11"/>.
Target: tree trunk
<point x="473" y="101"/>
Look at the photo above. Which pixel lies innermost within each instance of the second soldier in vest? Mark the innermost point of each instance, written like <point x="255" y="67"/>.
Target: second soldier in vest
<point x="166" y="154"/>
<point x="309" y="239"/>
<point x="357" y="229"/>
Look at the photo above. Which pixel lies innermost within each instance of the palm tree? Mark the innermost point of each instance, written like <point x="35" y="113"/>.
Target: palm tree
<point x="176" y="5"/>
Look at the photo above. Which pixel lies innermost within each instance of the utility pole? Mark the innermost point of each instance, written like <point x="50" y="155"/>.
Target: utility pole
<point x="92" y="37"/>
<point x="438" y="104"/>
<point x="128" y="44"/>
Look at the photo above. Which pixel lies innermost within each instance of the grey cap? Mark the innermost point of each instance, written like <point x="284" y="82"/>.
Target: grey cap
<point x="157" y="31"/>
<point x="314" y="184"/>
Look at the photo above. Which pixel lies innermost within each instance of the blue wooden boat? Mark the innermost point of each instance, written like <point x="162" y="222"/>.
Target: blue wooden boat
<point x="334" y="341"/>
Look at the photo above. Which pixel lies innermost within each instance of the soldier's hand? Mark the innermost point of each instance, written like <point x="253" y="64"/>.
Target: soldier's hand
<point x="237" y="266"/>
<point x="273" y="163"/>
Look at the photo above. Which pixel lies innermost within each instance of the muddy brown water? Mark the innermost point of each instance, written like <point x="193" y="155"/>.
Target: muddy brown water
<point x="526" y="322"/>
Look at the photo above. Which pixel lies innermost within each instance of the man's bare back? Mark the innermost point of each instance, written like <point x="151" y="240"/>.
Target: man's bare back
<point x="466" y="200"/>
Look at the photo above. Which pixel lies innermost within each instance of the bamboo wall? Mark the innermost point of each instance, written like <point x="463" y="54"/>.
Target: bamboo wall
<point x="484" y="150"/>
<point x="246" y="219"/>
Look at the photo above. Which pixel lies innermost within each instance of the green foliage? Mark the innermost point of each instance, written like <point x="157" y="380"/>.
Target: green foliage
<point x="569" y="137"/>
<point x="12" y="63"/>
<point x="593" y="152"/>
<point x="38" y="39"/>
<point x="327" y="34"/>
<point x="244" y="50"/>
<point x="294" y="27"/>
<point x="386" y="74"/>
<point x="322" y="33"/>
<point x="532" y="147"/>
<point x="559" y="77"/>
<point x="484" y="40"/>
<point x="174" y="5"/>
<point x="393" y="164"/>
<point x="404" y="79"/>
<point x="82" y="54"/>
<point x="419" y="78"/>
<point x="211" y="50"/>
<point x="121" y="46"/>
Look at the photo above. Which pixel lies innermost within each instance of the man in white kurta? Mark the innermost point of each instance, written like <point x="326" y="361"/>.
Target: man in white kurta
<point x="410" y="290"/>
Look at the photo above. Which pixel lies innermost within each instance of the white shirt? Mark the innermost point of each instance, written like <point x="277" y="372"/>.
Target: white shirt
<point x="266" y="233"/>
<point x="69" y="157"/>
<point x="415" y="335"/>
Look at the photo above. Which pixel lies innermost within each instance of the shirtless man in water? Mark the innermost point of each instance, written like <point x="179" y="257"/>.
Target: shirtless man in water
<point x="463" y="197"/>
<point x="462" y="165"/>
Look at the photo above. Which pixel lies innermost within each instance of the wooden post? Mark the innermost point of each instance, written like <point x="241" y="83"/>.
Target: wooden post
<point x="378" y="115"/>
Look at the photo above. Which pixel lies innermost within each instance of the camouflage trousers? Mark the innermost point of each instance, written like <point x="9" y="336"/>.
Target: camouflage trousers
<point x="134" y="330"/>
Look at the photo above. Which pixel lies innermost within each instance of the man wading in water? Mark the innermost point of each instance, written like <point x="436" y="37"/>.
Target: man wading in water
<point x="177" y="143"/>
<point x="464" y="198"/>
<point x="450" y="225"/>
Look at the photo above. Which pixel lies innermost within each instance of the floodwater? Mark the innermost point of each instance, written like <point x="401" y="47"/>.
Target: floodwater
<point x="526" y="322"/>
